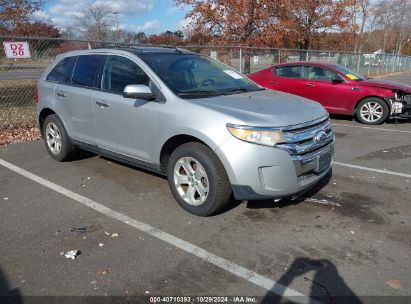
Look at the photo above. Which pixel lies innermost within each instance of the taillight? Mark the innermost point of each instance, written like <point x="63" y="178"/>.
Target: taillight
<point x="37" y="93"/>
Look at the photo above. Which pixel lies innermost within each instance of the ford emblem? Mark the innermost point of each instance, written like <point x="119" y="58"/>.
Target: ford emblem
<point x="320" y="137"/>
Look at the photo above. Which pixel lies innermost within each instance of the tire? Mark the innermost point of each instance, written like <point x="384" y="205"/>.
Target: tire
<point x="196" y="164"/>
<point x="379" y="111"/>
<point x="62" y="149"/>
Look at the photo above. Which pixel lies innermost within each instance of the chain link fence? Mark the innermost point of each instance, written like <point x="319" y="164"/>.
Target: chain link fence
<point x="18" y="76"/>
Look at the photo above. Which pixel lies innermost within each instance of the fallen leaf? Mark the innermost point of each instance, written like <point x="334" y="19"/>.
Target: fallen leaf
<point x="103" y="272"/>
<point x="19" y="134"/>
<point x="393" y="283"/>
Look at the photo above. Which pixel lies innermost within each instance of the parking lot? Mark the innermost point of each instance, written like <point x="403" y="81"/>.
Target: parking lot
<point x="350" y="236"/>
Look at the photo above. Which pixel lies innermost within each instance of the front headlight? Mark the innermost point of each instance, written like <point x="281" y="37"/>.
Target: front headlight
<point x="256" y="135"/>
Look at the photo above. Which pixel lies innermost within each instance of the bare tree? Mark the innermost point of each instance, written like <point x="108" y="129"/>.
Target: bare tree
<point x="402" y="23"/>
<point x="363" y="21"/>
<point x="96" y="22"/>
<point x="69" y="32"/>
<point x="391" y="18"/>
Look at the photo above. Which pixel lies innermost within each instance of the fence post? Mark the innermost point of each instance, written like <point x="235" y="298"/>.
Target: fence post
<point x="378" y="65"/>
<point x="279" y="56"/>
<point x="306" y="56"/>
<point x="386" y="65"/>
<point x="369" y="67"/>
<point x="405" y="64"/>
<point x="241" y="61"/>
<point x="393" y="63"/>
<point x="329" y="56"/>
<point x="346" y="59"/>
<point x="404" y="61"/>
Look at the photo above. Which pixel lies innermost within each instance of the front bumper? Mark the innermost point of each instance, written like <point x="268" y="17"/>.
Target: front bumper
<point x="260" y="172"/>
<point x="401" y="108"/>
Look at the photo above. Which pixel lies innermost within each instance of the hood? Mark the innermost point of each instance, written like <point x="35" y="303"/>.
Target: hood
<point x="390" y="85"/>
<point x="265" y="108"/>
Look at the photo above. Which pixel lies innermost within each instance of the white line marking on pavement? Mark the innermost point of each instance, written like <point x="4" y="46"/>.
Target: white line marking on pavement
<point x="372" y="169"/>
<point x="372" y="128"/>
<point x="250" y="276"/>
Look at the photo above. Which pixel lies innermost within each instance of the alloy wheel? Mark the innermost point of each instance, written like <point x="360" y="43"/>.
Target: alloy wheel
<point x="53" y="138"/>
<point x="371" y="111"/>
<point x="191" y="181"/>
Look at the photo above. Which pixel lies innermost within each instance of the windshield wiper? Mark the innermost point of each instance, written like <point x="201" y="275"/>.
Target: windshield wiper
<point x="241" y="90"/>
<point x="199" y="93"/>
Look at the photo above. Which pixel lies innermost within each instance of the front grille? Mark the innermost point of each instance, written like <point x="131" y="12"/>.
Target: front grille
<point x="305" y="147"/>
<point x="407" y="99"/>
<point x="301" y="139"/>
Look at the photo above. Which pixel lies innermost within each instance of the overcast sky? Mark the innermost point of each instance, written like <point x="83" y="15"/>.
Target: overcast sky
<point x="150" y="16"/>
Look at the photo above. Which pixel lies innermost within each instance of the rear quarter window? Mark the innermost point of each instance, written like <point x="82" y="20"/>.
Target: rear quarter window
<point x="87" y="70"/>
<point x="62" y="71"/>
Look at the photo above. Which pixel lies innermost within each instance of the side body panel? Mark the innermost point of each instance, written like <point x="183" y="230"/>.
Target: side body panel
<point x="126" y="126"/>
<point x="75" y="107"/>
<point x="267" y="79"/>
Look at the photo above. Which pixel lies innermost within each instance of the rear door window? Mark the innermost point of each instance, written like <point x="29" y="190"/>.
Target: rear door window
<point x="61" y="73"/>
<point x="320" y="73"/>
<point x="288" y="71"/>
<point x="120" y="72"/>
<point x="87" y="70"/>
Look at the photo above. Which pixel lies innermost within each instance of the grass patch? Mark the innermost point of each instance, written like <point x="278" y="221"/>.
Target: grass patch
<point x="17" y="116"/>
<point x="17" y="103"/>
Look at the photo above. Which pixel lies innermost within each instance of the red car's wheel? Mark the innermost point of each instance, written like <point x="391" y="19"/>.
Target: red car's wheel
<point x="372" y="111"/>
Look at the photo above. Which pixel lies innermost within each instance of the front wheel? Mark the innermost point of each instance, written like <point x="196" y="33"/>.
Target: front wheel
<point x="372" y="111"/>
<point x="197" y="179"/>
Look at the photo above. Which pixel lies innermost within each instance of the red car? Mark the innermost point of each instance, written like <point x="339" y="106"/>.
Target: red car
<point x="339" y="90"/>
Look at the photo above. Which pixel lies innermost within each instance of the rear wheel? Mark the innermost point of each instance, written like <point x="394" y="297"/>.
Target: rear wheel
<point x="197" y="179"/>
<point x="56" y="139"/>
<point x="372" y="111"/>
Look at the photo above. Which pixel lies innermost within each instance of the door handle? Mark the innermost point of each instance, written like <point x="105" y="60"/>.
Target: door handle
<point x="61" y="94"/>
<point x="272" y="81"/>
<point x="310" y="84"/>
<point x="102" y="104"/>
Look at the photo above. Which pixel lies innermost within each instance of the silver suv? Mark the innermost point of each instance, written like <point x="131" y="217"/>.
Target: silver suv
<point x="213" y="132"/>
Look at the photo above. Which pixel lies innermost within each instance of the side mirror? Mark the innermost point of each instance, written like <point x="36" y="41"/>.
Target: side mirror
<point x="138" y="91"/>
<point x="337" y="80"/>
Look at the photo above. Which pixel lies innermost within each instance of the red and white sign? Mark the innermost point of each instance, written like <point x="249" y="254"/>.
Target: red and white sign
<point x="17" y="49"/>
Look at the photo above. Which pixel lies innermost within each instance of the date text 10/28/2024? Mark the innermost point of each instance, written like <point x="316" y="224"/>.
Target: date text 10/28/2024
<point x="203" y="299"/>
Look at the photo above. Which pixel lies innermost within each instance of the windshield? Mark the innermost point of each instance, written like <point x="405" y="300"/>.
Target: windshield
<point x="195" y="76"/>
<point x="349" y="73"/>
